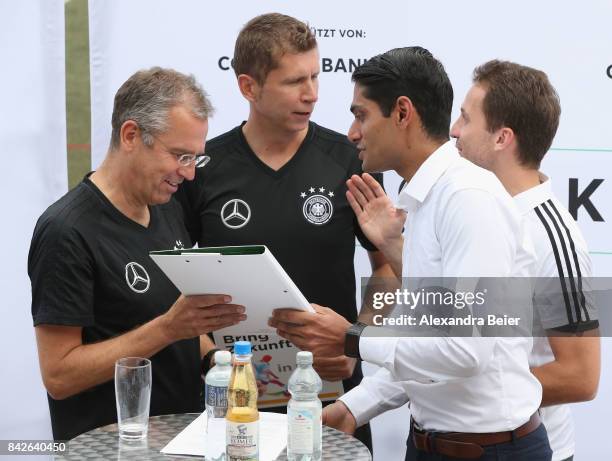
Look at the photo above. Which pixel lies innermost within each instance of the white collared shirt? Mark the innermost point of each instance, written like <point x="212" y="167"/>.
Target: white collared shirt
<point x="561" y="251"/>
<point x="461" y="223"/>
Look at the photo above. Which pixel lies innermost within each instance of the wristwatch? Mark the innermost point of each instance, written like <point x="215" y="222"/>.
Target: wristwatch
<point x="351" y="340"/>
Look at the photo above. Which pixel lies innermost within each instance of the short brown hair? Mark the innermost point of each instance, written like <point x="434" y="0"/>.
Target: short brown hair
<point x="147" y="97"/>
<point x="265" y="39"/>
<point x="523" y="99"/>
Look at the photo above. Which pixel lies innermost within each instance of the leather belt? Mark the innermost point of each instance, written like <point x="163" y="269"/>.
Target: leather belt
<point x="467" y="445"/>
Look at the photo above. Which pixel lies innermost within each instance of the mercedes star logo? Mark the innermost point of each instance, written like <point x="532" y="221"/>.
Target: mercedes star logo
<point x="136" y="277"/>
<point x="235" y="213"/>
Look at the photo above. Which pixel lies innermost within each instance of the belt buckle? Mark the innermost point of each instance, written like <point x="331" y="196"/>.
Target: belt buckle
<point x="417" y="426"/>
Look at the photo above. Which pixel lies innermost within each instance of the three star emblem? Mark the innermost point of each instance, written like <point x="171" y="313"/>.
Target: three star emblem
<point x="321" y="190"/>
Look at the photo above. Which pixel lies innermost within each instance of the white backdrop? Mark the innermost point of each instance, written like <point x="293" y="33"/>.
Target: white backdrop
<point x="571" y="42"/>
<point x="33" y="139"/>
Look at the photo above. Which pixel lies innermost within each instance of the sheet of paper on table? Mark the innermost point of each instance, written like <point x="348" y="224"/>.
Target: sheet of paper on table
<point x="193" y="440"/>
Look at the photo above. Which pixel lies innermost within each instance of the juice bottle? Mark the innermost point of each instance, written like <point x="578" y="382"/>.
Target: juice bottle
<point x="242" y="418"/>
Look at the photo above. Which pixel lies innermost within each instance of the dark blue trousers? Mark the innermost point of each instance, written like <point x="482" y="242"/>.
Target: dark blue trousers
<point x="532" y="447"/>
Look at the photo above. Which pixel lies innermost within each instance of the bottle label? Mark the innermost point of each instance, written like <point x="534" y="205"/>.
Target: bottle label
<point x="242" y="440"/>
<point x="216" y="401"/>
<point x="301" y="428"/>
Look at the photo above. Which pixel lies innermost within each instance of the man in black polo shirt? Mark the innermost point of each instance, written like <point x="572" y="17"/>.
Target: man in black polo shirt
<point x="279" y="179"/>
<point x="96" y="294"/>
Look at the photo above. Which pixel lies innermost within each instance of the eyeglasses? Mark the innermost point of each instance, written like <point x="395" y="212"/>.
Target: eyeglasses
<point x="185" y="159"/>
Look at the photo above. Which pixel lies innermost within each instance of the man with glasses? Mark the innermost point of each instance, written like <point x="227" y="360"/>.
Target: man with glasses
<point x="96" y="294"/>
<point x="185" y="158"/>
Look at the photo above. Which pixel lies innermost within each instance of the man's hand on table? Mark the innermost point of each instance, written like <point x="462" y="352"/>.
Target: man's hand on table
<point x="338" y="416"/>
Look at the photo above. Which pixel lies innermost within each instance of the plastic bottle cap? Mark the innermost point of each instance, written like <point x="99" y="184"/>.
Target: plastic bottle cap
<point x="223" y="357"/>
<point x="242" y="347"/>
<point x="304" y="357"/>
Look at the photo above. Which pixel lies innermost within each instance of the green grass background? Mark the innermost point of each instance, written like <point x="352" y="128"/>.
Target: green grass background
<point x="77" y="90"/>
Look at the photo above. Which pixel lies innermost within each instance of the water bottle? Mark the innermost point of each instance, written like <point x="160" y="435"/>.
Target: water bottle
<point x="216" y="383"/>
<point x="242" y="419"/>
<point x="304" y="411"/>
<point x="215" y="391"/>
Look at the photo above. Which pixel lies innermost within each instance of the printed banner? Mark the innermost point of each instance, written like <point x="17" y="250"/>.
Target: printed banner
<point x="572" y="46"/>
<point x="273" y="362"/>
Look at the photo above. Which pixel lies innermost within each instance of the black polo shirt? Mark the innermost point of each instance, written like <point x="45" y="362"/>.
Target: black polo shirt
<point x="90" y="267"/>
<point x="300" y="212"/>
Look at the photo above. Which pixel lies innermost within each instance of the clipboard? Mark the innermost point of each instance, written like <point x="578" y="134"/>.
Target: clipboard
<point x="251" y="275"/>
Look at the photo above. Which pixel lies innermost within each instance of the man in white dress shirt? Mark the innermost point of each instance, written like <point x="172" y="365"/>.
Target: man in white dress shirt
<point x="508" y="121"/>
<point x="470" y="398"/>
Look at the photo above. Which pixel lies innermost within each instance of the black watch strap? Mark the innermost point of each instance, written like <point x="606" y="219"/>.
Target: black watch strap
<point x="351" y="340"/>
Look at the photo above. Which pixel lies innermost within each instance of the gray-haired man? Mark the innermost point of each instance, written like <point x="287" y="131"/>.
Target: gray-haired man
<point x="96" y="294"/>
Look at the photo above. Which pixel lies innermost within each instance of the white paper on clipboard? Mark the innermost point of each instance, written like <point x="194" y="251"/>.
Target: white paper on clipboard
<point x="255" y="279"/>
<point x="250" y="275"/>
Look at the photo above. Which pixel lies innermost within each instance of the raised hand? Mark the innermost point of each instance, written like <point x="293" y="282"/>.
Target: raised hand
<point x="380" y="221"/>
